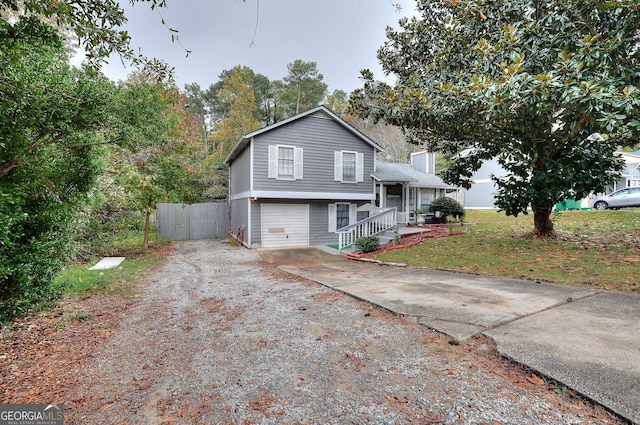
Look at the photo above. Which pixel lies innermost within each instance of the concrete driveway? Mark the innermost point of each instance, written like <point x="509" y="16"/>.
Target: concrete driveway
<point x="583" y="339"/>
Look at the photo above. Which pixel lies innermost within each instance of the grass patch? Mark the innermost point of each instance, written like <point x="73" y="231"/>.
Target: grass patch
<point x="77" y="280"/>
<point x="598" y="249"/>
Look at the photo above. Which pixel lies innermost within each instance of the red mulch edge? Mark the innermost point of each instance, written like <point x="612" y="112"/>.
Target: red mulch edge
<point x="407" y="241"/>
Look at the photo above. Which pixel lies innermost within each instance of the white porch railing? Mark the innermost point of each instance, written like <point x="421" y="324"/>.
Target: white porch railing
<point x="384" y="220"/>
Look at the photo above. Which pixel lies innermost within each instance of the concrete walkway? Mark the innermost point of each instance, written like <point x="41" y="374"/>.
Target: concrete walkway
<point x="583" y="339"/>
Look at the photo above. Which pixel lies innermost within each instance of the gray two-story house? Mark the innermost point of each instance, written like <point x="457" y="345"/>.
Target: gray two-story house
<point x="294" y="183"/>
<point x="313" y="179"/>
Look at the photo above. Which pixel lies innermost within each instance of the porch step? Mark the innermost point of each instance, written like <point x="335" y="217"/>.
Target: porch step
<point x="387" y="236"/>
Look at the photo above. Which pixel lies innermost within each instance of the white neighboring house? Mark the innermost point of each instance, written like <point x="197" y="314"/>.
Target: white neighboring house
<point x="481" y="193"/>
<point x="631" y="172"/>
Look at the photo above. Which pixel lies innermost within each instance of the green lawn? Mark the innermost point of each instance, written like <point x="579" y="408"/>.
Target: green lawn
<point x="598" y="249"/>
<point x="78" y="280"/>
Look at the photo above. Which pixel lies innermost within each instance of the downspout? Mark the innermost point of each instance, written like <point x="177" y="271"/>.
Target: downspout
<point x="231" y="229"/>
<point x="249" y="215"/>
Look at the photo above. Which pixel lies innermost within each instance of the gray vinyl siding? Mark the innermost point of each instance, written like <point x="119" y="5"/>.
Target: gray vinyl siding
<point x="318" y="220"/>
<point x="256" y="234"/>
<point x="240" y="217"/>
<point x="319" y="137"/>
<point x="319" y="224"/>
<point x="240" y="174"/>
<point x="480" y="195"/>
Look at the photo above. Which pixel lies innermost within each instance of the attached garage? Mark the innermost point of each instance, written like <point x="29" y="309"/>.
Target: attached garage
<point x="284" y="225"/>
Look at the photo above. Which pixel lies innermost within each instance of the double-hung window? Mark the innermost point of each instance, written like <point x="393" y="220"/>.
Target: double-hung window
<point x="348" y="166"/>
<point x="285" y="162"/>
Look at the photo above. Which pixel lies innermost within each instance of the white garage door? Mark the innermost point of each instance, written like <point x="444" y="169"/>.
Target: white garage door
<point x="284" y="225"/>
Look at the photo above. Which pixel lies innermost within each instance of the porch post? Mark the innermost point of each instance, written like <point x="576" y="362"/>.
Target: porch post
<point x="406" y="202"/>
<point x="383" y="200"/>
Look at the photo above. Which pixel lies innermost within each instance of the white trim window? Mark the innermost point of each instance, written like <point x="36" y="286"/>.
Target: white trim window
<point x="348" y="166"/>
<point x="285" y="162"/>
<point x="634" y="178"/>
<point x="342" y="214"/>
<point x="427" y="196"/>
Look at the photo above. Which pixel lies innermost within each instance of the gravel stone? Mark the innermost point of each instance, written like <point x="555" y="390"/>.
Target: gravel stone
<point x="217" y="336"/>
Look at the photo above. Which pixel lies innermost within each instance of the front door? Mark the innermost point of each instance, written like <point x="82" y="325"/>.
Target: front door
<point x="394" y="197"/>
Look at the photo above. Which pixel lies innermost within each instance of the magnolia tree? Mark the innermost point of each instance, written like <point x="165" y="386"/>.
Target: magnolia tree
<point x="549" y="88"/>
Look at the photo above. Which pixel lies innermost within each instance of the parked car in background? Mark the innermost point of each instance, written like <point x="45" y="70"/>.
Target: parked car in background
<point x="627" y="197"/>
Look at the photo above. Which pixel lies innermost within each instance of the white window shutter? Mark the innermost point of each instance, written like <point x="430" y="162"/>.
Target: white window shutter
<point x="337" y="166"/>
<point x="359" y="167"/>
<point x="353" y="213"/>
<point x="332" y="218"/>
<point x="297" y="164"/>
<point x="273" y="162"/>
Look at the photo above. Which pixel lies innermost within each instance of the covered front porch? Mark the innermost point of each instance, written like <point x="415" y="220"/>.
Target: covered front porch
<point x="409" y="190"/>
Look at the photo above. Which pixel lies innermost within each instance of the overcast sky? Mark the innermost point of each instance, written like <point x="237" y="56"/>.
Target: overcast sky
<point x="341" y="36"/>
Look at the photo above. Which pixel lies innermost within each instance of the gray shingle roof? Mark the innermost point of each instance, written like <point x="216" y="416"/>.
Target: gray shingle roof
<point x="388" y="172"/>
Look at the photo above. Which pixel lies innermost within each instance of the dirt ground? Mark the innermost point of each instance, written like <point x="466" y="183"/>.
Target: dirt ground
<point x="218" y="336"/>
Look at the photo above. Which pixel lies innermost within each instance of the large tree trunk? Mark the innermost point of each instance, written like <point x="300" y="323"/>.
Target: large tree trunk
<point x="543" y="226"/>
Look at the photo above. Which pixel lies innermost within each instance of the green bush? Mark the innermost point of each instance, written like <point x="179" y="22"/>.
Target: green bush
<point x="32" y="250"/>
<point x="367" y="243"/>
<point x="447" y="207"/>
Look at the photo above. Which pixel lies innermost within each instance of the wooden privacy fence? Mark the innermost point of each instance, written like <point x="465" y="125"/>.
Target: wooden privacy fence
<point x="183" y="222"/>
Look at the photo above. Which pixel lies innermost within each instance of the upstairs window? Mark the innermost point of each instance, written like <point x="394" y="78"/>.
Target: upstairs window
<point x="348" y="167"/>
<point x="285" y="162"/>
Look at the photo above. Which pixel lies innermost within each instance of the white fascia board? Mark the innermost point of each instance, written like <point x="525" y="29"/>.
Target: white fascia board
<point x="311" y="195"/>
<point x="242" y="195"/>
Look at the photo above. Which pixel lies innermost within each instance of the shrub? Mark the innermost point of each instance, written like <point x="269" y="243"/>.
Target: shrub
<point x="447" y="207"/>
<point x="367" y="243"/>
<point x="32" y="250"/>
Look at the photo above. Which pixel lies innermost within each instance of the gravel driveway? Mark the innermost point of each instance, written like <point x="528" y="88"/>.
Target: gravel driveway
<point x="219" y="337"/>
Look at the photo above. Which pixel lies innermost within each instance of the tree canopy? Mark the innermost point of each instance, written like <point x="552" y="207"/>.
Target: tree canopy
<point x="95" y="25"/>
<point x="304" y="86"/>
<point x="301" y="89"/>
<point x="56" y="121"/>
<point x="549" y="88"/>
<point x="237" y="93"/>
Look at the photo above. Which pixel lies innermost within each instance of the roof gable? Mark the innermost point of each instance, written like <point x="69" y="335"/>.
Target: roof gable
<point x="630" y="168"/>
<point x="317" y="110"/>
